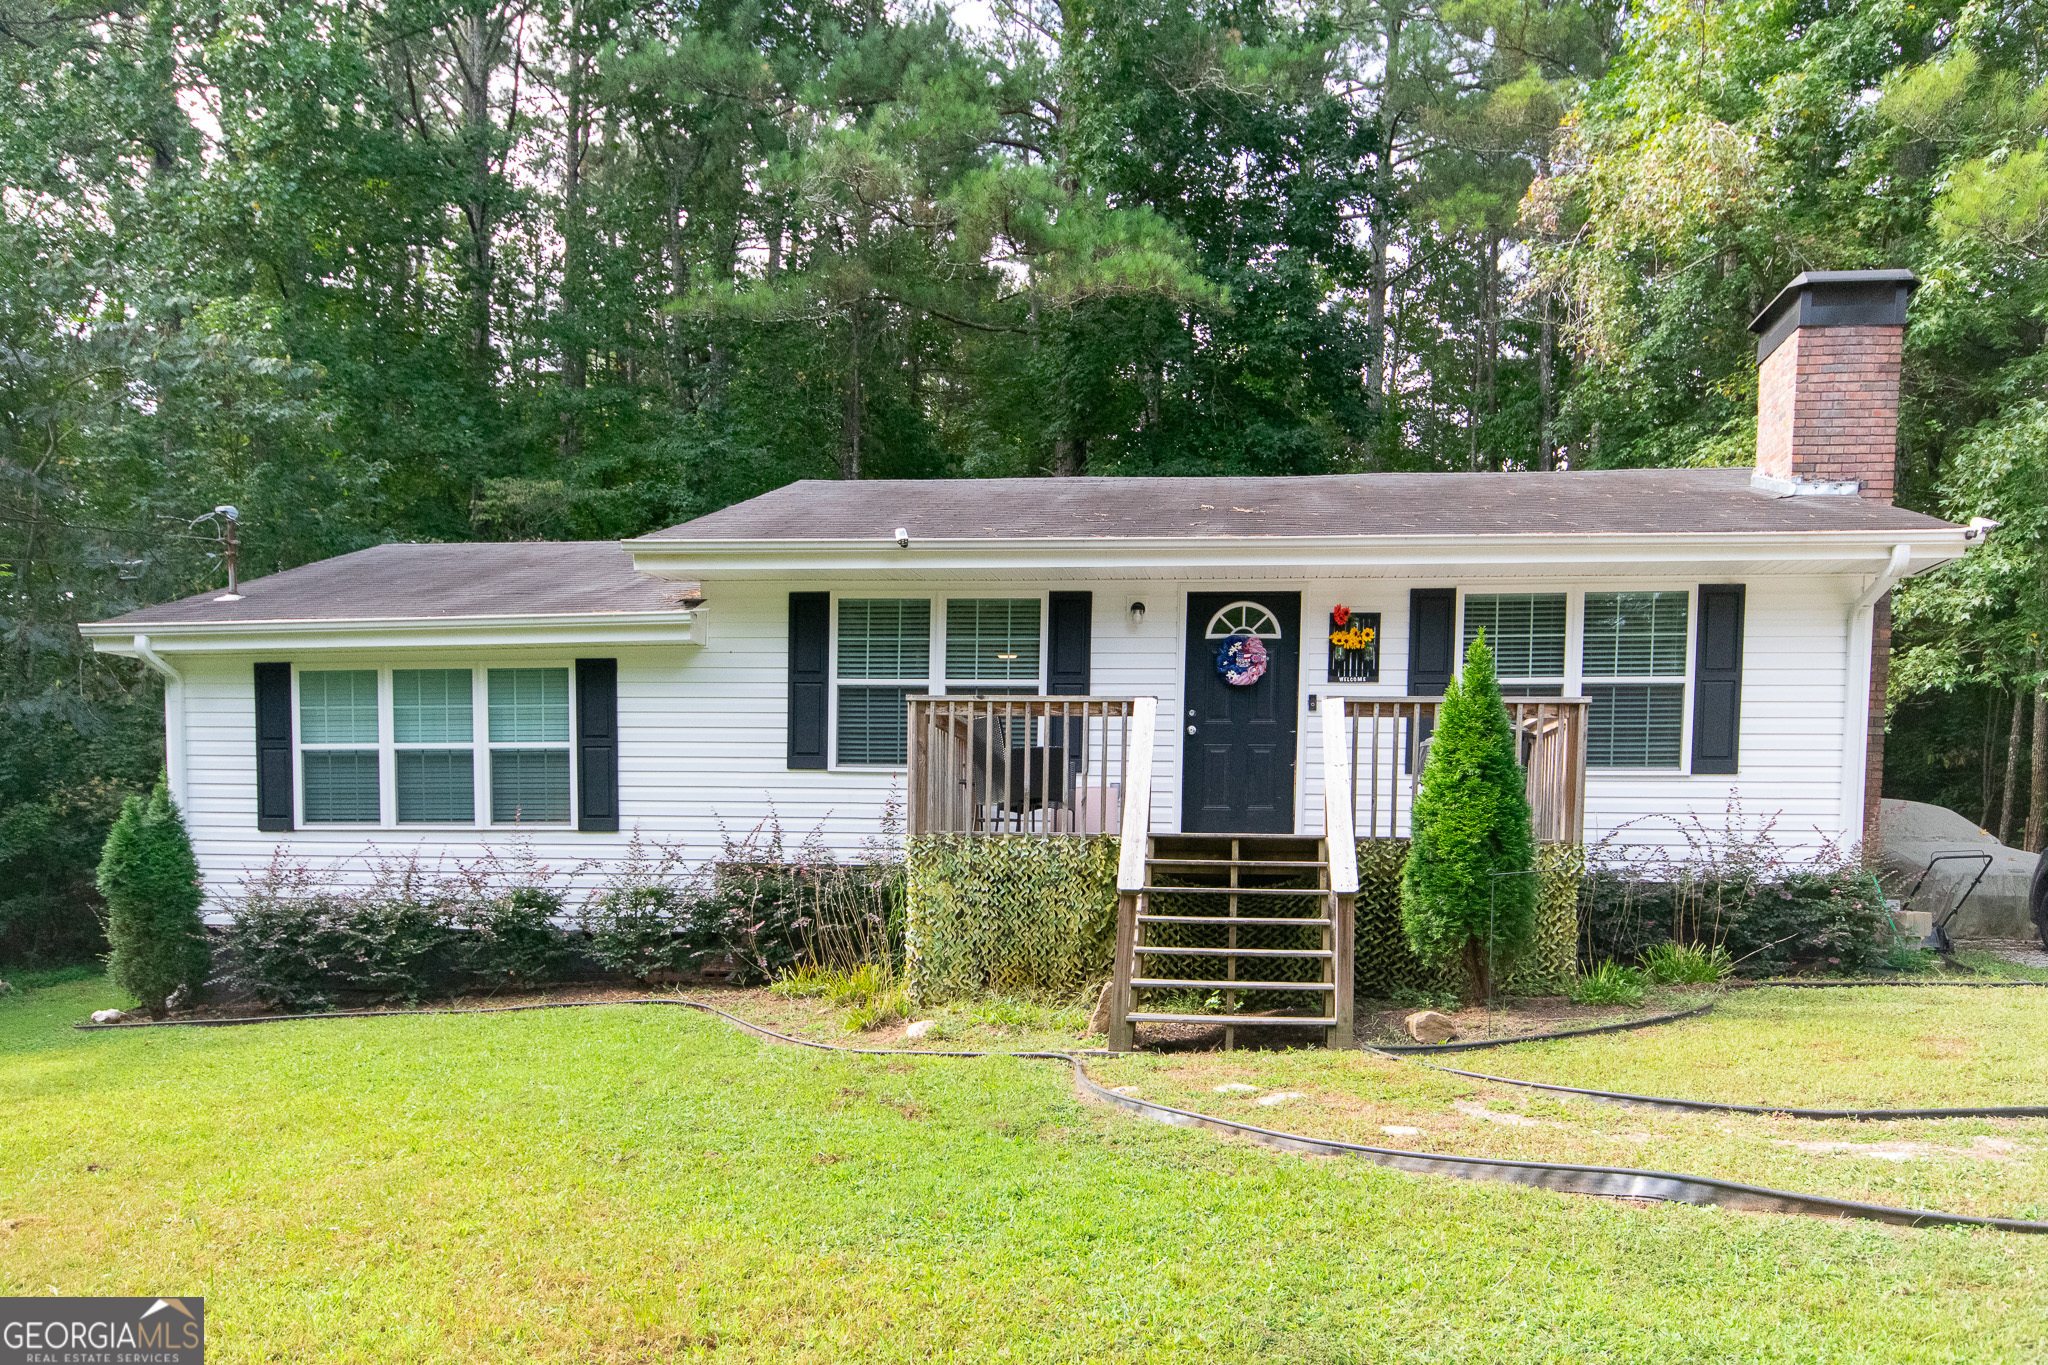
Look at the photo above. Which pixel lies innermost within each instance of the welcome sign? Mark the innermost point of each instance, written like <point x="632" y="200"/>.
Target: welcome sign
<point x="138" y="1331"/>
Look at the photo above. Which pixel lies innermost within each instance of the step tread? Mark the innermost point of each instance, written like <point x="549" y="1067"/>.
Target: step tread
<point x="1161" y="950"/>
<point x="1174" y="982"/>
<point x="1231" y="1020"/>
<point x="1232" y="862"/>
<point x="1240" y="919"/>
<point x="1237" y="890"/>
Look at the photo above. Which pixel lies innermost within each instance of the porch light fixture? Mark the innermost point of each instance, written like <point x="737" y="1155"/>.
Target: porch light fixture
<point x="903" y="537"/>
<point x="1137" y="613"/>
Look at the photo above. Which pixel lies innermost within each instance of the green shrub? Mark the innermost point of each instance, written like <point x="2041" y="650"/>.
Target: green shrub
<point x="1685" y="964"/>
<point x="1471" y="820"/>
<point x="1774" y="908"/>
<point x="150" y="881"/>
<point x="512" y="937"/>
<point x="1608" y="984"/>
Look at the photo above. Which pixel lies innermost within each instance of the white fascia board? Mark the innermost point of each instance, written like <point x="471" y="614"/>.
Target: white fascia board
<point x="232" y="637"/>
<point x="1376" y="555"/>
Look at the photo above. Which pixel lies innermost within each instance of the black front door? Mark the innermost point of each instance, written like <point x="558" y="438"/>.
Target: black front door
<point x="1237" y="757"/>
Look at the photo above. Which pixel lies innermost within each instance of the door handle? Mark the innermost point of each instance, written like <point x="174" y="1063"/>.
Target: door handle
<point x="1191" y="729"/>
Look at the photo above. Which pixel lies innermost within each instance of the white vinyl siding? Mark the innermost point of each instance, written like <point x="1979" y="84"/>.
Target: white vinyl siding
<point x="1633" y="641"/>
<point x="703" y="729"/>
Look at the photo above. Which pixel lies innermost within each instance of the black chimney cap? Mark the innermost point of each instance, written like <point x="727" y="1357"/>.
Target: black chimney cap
<point x="1835" y="298"/>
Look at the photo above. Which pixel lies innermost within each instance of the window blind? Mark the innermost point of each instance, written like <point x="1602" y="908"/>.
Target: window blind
<point x="338" y="707"/>
<point x="341" y="784"/>
<point x="436" y="784"/>
<point x="432" y="706"/>
<point x="529" y="705"/>
<point x="874" y="724"/>
<point x="885" y="637"/>
<point x="1635" y="634"/>
<point x="528" y="785"/>
<point x="1634" y="725"/>
<point x="1525" y="631"/>
<point x="992" y="639"/>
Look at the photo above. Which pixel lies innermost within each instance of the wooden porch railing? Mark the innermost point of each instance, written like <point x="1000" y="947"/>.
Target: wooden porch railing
<point x="1024" y="765"/>
<point x="1388" y="741"/>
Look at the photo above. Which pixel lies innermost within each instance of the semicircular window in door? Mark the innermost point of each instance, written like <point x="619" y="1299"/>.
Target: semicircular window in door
<point x="1244" y="618"/>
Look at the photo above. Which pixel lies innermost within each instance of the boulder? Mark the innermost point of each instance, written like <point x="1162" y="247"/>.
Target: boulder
<point x="108" y="1016"/>
<point x="920" y="1030"/>
<point x="1427" y="1026"/>
<point x="1098" y="1022"/>
<point x="1913" y="832"/>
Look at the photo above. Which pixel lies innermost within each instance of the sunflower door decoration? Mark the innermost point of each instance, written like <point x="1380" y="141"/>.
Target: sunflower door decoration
<point x="1354" y="645"/>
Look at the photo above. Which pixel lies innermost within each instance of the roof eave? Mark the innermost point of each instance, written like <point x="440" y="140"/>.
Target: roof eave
<point x="684" y="627"/>
<point x="1931" y="546"/>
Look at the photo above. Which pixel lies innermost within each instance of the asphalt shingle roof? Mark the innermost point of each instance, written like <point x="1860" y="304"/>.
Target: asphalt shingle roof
<point x="1625" y="501"/>
<point x="404" y="582"/>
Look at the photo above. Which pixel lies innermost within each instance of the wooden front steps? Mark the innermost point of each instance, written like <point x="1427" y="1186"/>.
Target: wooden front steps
<point x="1209" y="902"/>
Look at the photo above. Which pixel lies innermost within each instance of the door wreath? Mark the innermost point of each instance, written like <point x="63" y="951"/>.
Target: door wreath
<point x="1241" y="660"/>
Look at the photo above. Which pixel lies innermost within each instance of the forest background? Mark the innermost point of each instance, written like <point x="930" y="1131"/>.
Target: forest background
<point x="378" y="270"/>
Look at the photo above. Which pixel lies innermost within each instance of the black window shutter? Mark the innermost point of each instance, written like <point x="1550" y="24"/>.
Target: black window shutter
<point x="1432" y="636"/>
<point x="1717" y="679"/>
<point x="1069" y="637"/>
<point x="597" y="744"/>
<point x="273" y="746"/>
<point x="810" y="648"/>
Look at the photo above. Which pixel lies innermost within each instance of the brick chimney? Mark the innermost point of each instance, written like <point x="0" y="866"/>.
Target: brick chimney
<point x="1827" y="423"/>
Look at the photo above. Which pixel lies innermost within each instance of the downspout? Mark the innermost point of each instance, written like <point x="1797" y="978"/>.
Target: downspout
<point x="174" y="717"/>
<point x="1856" y="740"/>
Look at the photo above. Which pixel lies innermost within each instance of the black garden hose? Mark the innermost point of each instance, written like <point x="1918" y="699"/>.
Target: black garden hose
<point x="1611" y="1181"/>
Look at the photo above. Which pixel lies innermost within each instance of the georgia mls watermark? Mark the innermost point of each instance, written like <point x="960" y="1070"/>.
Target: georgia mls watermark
<point x="102" y="1331"/>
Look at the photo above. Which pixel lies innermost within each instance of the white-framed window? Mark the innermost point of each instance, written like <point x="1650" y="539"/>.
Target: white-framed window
<point x="1634" y="678"/>
<point x="433" y="737"/>
<point x="340" y="746"/>
<point x="881" y="657"/>
<point x="529" y="737"/>
<point x="886" y="650"/>
<point x="1527" y="633"/>
<point x="434" y="746"/>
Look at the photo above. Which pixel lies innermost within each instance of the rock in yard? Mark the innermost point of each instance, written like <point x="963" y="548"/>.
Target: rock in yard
<point x="1427" y="1026"/>
<point x="1400" y="1130"/>
<point x="920" y="1030"/>
<point x="108" y="1016"/>
<point x="1236" y="1088"/>
<point x="5" y="988"/>
<point x="1098" y="1022"/>
<point x="1280" y="1097"/>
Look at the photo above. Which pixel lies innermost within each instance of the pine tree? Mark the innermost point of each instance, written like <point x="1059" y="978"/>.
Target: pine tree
<point x="151" y="884"/>
<point x="1471" y="820"/>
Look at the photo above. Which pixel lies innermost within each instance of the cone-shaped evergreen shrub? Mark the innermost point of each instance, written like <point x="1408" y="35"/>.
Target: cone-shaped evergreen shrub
<point x="1471" y="820"/>
<point x="151" y="884"/>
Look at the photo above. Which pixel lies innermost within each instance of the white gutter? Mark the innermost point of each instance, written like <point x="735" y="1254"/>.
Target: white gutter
<point x="682" y="627"/>
<point x="174" y="716"/>
<point x="677" y="559"/>
<point x="1856" y="739"/>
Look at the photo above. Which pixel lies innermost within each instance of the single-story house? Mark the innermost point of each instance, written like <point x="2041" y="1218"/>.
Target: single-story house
<point x="1704" y="632"/>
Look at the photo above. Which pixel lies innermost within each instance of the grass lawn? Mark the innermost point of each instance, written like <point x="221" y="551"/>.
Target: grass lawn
<point x="645" y="1184"/>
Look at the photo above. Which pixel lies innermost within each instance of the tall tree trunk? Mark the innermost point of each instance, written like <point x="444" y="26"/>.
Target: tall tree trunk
<point x="2012" y="764"/>
<point x="849" y="421"/>
<point x="478" y="43"/>
<point x="575" y="243"/>
<point x="1987" y="796"/>
<point x="1546" y="420"/>
<point x="1378" y="373"/>
<point x="2037" y="790"/>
